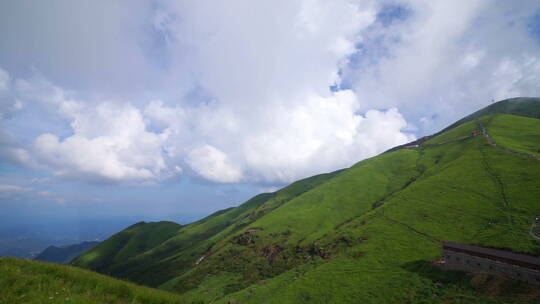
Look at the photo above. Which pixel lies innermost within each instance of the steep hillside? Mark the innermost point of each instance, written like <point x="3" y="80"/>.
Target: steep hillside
<point x="376" y="226"/>
<point x="134" y="240"/>
<point x="520" y="106"/>
<point x="64" y="254"/>
<point x="181" y="251"/>
<point x="369" y="232"/>
<point x="24" y="281"/>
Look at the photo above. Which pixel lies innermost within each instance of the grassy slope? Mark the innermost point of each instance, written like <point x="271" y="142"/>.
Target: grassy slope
<point x="179" y="252"/>
<point x="455" y="134"/>
<point x="24" y="281"/>
<point x="129" y="242"/>
<point x="367" y="232"/>
<point x="525" y="141"/>
<point x="461" y="190"/>
<point x="520" y="106"/>
<point x="301" y="221"/>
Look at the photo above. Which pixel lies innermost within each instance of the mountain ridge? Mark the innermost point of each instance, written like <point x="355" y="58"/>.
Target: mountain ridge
<point x="521" y="106"/>
<point x="359" y="228"/>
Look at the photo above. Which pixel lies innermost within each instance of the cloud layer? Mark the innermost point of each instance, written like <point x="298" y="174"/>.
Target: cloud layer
<point x="249" y="92"/>
<point x="117" y="142"/>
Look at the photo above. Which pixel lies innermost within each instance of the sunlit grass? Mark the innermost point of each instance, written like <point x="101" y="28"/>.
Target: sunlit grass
<point x="24" y="281"/>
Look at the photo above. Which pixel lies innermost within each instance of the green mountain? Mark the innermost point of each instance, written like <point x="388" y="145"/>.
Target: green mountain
<point x="132" y="241"/>
<point x="521" y="106"/>
<point x="25" y="281"/>
<point x="64" y="254"/>
<point x="179" y="252"/>
<point x="365" y="234"/>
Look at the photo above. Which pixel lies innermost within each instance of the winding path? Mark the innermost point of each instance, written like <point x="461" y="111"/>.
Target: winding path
<point x="535" y="227"/>
<point x="536" y="223"/>
<point x="494" y="144"/>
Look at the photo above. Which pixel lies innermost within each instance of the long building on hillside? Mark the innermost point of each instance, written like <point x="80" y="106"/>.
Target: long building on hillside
<point x="478" y="259"/>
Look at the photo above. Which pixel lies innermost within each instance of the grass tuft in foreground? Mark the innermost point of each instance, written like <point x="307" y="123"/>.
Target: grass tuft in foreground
<point x="25" y="281"/>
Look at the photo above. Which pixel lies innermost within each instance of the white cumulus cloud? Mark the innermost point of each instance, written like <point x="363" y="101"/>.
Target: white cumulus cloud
<point x="213" y="165"/>
<point x="255" y="91"/>
<point x="251" y="99"/>
<point x="430" y="64"/>
<point x="109" y="139"/>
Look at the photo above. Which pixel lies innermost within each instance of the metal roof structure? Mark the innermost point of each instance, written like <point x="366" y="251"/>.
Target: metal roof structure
<point x="504" y="256"/>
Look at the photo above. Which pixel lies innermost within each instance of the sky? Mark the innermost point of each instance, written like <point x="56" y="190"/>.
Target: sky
<point x="176" y="109"/>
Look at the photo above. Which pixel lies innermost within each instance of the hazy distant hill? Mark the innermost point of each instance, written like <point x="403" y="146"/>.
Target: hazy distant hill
<point x="64" y="254"/>
<point x="26" y="237"/>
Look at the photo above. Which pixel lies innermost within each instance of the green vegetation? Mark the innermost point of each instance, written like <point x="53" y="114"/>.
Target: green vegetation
<point x="181" y="251"/>
<point x="527" y="140"/>
<point x="370" y="232"/>
<point x="464" y="190"/>
<point x="520" y="106"/>
<point x="134" y="240"/>
<point x="458" y="133"/>
<point x="24" y="281"/>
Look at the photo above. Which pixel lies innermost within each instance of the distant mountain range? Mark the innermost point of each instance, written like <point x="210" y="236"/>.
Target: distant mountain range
<point x="27" y="236"/>
<point x="366" y="234"/>
<point x="64" y="254"/>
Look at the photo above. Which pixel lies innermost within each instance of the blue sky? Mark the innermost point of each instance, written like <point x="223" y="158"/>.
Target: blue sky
<point x="175" y="109"/>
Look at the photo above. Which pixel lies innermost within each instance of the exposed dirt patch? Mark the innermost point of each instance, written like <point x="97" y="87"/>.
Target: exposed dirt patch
<point x="245" y="239"/>
<point x="272" y="252"/>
